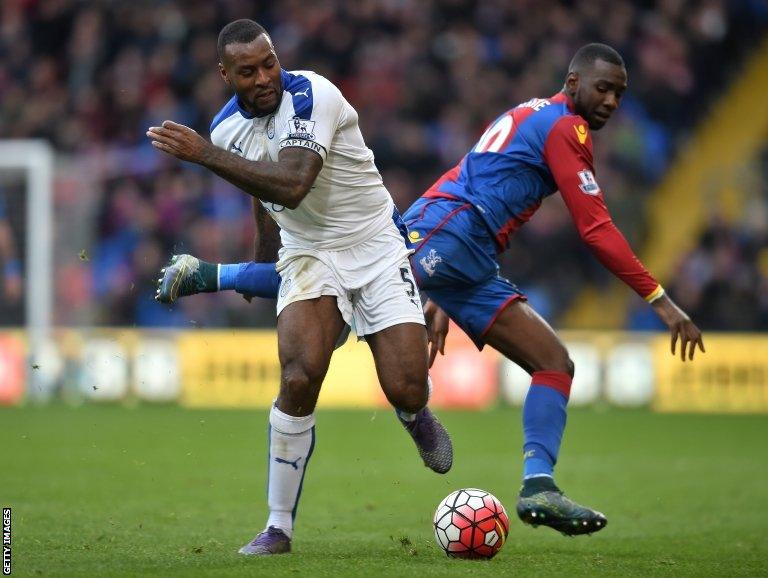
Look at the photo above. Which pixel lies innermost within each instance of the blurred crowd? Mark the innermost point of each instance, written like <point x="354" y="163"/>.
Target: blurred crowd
<point x="425" y="77"/>
<point x="723" y="281"/>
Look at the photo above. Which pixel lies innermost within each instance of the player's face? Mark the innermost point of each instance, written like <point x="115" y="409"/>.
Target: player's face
<point x="253" y="71"/>
<point x="596" y="91"/>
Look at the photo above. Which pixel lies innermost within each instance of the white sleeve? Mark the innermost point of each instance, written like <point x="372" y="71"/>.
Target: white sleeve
<point x="318" y="106"/>
<point x="218" y="139"/>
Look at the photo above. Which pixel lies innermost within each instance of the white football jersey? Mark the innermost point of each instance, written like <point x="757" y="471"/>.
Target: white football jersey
<point x="348" y="202"/>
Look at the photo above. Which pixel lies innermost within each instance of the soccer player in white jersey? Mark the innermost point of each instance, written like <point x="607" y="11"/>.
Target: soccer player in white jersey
<point x="292" y="141"/>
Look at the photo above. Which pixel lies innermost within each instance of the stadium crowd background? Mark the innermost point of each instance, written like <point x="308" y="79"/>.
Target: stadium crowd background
<point x="425" y="76"/>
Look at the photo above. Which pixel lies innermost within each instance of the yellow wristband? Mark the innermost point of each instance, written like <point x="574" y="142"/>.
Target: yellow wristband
<point x="658" y="292"/>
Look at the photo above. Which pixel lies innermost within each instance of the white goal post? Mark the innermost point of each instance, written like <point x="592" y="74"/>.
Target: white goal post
<point x="35" y="158"/>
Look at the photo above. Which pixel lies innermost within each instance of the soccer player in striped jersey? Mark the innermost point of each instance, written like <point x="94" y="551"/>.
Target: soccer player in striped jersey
<point x="468" y="216"/>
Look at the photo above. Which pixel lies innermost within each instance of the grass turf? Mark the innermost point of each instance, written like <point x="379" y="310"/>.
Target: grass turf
<point x="161" y="491"/>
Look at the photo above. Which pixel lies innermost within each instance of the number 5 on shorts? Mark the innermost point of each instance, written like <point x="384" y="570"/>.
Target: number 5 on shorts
<point x="405" y="274"/>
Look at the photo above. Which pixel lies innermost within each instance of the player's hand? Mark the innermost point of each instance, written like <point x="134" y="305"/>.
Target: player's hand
<point x="179" y="140"/>
<point x="437" y="329"/>
<point x="680" y="326"/>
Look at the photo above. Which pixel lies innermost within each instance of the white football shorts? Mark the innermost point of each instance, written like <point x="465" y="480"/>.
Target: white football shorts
<point x="372" y="281"/>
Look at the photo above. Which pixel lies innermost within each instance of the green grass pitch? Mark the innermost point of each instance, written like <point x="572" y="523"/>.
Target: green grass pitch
<point x="162" y="491"/>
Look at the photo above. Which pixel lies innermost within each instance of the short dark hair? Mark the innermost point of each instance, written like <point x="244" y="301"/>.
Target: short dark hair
<point x="238" y="32"/>
<point x="588" y="54"/>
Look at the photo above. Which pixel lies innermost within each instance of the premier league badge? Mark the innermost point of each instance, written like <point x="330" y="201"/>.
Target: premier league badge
<point x="301" y="129"/>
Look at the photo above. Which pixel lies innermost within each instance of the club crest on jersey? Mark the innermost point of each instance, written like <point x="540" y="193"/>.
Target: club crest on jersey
<point x="581" y="133"/>
<point x="588" y="183"/>
<point x="430" y="261"/>
<point x="271" y="127"/>
<point x="301" y="128"/>
<point x="414" y="236"/>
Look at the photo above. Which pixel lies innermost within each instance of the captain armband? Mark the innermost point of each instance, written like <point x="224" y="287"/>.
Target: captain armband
<point x="305" y="144"/>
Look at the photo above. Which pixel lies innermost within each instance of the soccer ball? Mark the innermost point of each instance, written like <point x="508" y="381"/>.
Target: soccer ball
<point x="471" y="523"/>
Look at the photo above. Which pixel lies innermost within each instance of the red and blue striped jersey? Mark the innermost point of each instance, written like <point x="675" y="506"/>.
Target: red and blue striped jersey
<point x="527" y="154"/>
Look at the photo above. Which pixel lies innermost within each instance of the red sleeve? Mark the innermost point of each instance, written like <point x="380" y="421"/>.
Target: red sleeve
<point x="568" y="153"/>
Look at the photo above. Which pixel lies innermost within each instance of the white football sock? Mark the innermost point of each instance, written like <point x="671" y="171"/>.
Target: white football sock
<point x="291" y="441"/>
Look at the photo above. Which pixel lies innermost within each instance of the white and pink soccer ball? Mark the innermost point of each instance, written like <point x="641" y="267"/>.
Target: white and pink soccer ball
<point x="471" y="523"/>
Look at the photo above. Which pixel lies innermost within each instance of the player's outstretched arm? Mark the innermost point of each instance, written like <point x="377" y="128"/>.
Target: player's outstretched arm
<point x="285" y="182"/>
<point x="437" y="329"/>
<point x="680" y="326"/>
<point x="568" y="153"/>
